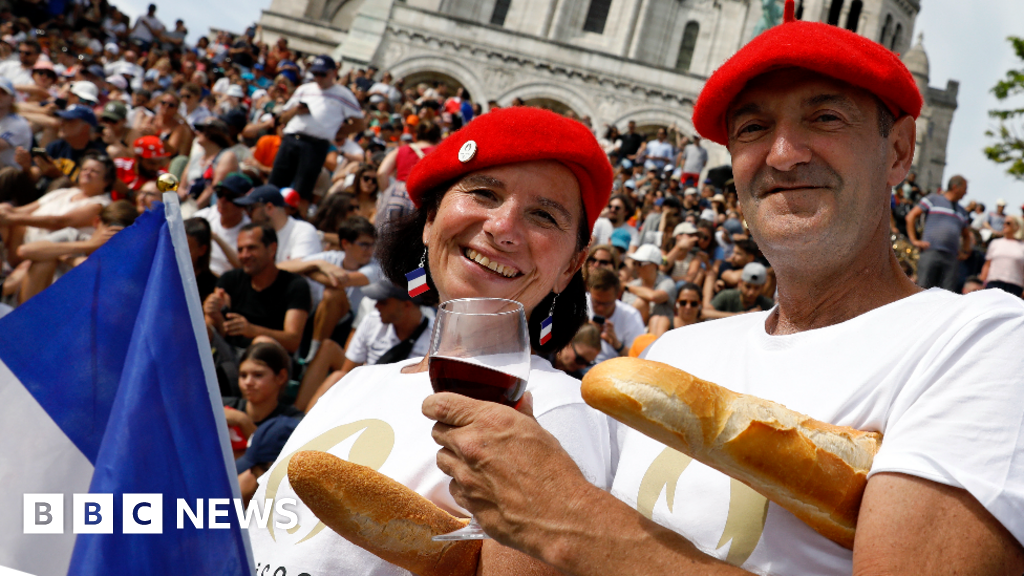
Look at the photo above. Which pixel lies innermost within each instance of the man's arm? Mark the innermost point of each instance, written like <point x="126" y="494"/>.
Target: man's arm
<point x="650" y="294"/>
<point x="290" y="337"/>
<point x="912" y="217"/>
<point x="352" y="125"/>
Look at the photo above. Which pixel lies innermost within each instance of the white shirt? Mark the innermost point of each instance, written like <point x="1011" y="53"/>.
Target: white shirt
<point x="140" y="30"/>
<point x="218" y="260"/>
<point x="328" y="110"/>
<point x="13" y="71"/>
<point x="948" y="402"/>
<point x="372" y="272"/>
<point x="196" y="115"/>
<point x="603" y="232"/>
<point x="694" y="158"/>
<point x="629" y="324"/>
<point x="122" y="67"/>
<point x="373" y="338"/>
<point x="373" y="417"/>
<point x="16" y="131"/>
<point x="297" y="239"/>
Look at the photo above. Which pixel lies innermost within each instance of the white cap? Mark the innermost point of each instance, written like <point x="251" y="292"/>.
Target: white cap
<point x="112" y="48"/>
<point x="647" y="253"/>
<point x="1001" y="202"/>
<point x="689" y="191"/>
<point x="236" y="91"/>
<point x="684" y="228"/>
<point x="755" y="273"/>
<point x="119" y="81"/>
<point x="86" y="91"/>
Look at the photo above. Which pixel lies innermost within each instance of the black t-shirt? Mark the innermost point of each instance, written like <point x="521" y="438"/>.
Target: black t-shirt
<point x="281" y="410"/>
<point x="206" y="281"/>
<point x="630" y="143"/>
<point x="267" y="307"/>
<point x="67" y="158"/>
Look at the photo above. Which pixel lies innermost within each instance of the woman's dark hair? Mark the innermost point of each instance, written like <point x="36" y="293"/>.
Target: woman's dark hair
<point x="400" y="248"/>
<point x="428" y="132"/>
<point x="334" y="210"/>
<point x="709" y="227"/>
<point x="354" y="189"/>
<point x="199" y="229"/>
<point x="689" y="286"/>
<point x="109" y="168"/>
<point x="270" y="353"/>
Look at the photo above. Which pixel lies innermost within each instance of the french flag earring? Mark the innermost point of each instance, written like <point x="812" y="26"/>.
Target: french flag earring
<point x="417" y="279"/>
<point x="545" y="325"/>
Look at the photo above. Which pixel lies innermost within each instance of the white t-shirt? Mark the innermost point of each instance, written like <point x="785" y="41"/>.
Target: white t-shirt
<point x="297" y="239"/>
<point x="140" y="30"/>
<point x="218" y="260"/>
<point x="603" y="229"/>
<point x="628" y="325"/>
<point x="373" y="417"/>
<point x="13" y="71"/>
<point x="373" y="338"/>
<point x="122" y="67"/>
<point x="947" y="400"/>
<point x="16" y="131"/>
<point x="328" y="109"/>
<point x="372" y="272"/>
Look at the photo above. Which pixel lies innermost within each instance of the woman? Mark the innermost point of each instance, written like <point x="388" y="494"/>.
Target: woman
<point x="688" y="306"/>
<point x="198" y="232"/>
<point x="601" y="256"/>
<point x="394" y="170"/>
<point x="75" y="207"/>
<point x="1004" y="261"/>
<point x="205" y="171"/>
<point x="364" y="189"/>
<point x="172" y="129"/>
<point x="263" y="372"/>
<point x="529" y="209"/>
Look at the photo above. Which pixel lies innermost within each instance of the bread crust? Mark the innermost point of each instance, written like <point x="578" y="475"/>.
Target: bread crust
<point x="381" y="516"/>
<point x="815" y="470"/>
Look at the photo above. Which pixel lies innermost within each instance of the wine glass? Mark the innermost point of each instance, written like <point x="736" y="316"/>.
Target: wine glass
<point x="480" y="348"/>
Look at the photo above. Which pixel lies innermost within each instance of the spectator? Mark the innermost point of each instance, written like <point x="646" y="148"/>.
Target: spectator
<point x="192" y="108"/>
<point x="1004" y="261"/>
<point x="615" y="217"/>
<point x="580" y="354"/>
<point x="683" y="261"/>
<point x="994" y="221"/>
<point x="168" y="125"/>
<point x="746" y="297"/>
<point x="19" y="71"/>
<point x="330" y="214"/>
<point x="619" y="324"/>
<point x="264" y="447"/>
<point x="631" y="142"/>
<point x="15" y="131"/>
<point x="296" y="238"/>
<point x="601" y="256"/>
<point x="394" y="202"/>
<point x="658" y="226"/>
<point x="691" y="162"/>
<point x="689" y="306"/>
<point x="364" y="190"/>
<point x="258" y="299"/>
<point x="659" y="152"/>
<point x="115" y="133"/>
<point x="199" y="246"/>
<point x="972" y="284"/>
<point x="314" y="116"/>
<point x="946" y="236"/>
<point x="226" y="221"/>
<point x="147" y="29"/>
<point x="652" y="292"/>
<point x="147" y="164"/>
<point x="211" y="163"/>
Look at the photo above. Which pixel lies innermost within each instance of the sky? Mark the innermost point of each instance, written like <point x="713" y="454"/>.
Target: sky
<point x="965" y="41"/>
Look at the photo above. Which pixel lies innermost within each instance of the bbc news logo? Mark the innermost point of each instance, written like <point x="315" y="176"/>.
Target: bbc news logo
<point x="143" y="513"/>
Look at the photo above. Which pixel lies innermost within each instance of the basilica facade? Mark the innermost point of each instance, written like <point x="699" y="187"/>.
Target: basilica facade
<point x="610" y="60"/>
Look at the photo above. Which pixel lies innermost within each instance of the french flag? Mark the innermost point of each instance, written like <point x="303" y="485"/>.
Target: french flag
<point x="417" y="282"/>
<point x="545" y="331"/>
<point x="107" y="386"/>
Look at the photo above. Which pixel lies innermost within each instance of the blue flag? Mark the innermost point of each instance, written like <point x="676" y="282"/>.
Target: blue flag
<point x="107" y="387"/>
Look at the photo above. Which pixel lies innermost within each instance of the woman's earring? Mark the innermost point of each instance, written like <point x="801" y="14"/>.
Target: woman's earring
<point x="417" y="279"/>
<point x="545" y="326"/>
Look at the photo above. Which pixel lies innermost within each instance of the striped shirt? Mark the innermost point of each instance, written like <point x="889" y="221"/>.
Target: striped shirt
<point x="945" y="222"/>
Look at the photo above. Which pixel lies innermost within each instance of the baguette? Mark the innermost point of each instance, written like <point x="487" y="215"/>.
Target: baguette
<point x="381" y="516"/>
<point x="815" y="470"/>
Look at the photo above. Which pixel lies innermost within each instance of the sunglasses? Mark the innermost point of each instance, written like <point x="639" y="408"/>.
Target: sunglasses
<point x="579" y="360"/>
<point x="615" y="208"/>
<point x="26" y="53"/>
<point x="369" y="178"/>
<point x="688" y="304"/>
<point x="168" y="103"/>
<point x="593" y="260"/>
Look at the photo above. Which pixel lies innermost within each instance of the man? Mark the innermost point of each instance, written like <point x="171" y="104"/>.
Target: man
<point x="192" y="108"/>
<point x="631" y="142"/>
<point x="691" y="204"/>
<point x="148" y="161"/>
<point x="147" y="29"/>
<point x="226" y="220"/>
<point x="15" y="131"/>
<point x="19" y="71"/>
<point x="652" y="293"/>
<point x="947" y="235"/>
<point x="619" y="324"/>
<point x="995" y="221"/>
<point x="397" y="319"/>
<point x="618" y="212"/>
<point x="258" y="299"/>
<point x="316" y="114"/>
<point x="745" y="297"/>
<point x="296" y="238"/>
<point x="691" y="162"/>
<point x="814" y="160"/>
<point x="115" y="130"/>
<point x="659" y="152"/>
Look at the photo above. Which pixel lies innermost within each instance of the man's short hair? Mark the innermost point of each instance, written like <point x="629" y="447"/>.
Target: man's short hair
<point x="603" y="279"/>
<point x="192" y="88"/>
<point x="268" y="236"/>
<point x="120" y="213"/>
<point x="748" y="246"/>
<point x="355" y="226"/>
<point x="625" y="202"/>
<point x="956" y="181"/>
<point x="33" y="43"/>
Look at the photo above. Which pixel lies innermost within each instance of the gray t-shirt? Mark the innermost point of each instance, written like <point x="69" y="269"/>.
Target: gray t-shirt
<point x="945" y="222"/>
<point x="662" y="282"/>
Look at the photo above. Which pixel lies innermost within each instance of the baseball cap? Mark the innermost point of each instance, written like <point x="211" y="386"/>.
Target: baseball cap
<point x="672" y="202"/>
<point x="690" y="191"/>
<point x="684" y="228"/>
<point x="234" y="118"/>
<point x="44" y="65"/>
<point x="116" y="111"/>
<point x="118" y="82"/>
<point x="291" y="197"/>
<point x="718" y="198"/>
<point x="648" y="253"/>
<point x="267" y="442"/>
<point x="1001" y="202"/>
<point x="96" y="70"/>
<point x="146" y="146"/>
<point x="112" y="48"/>
<point x="384" y="289"/>
<point x="755" y="273"/>
<point x="6" y="85"/>
<point x="266" y="194"/>
<point x="233" y="186"/>
<point x="620" y="239"/>
<point x="78" y="112"/>
<point x="86" y="91"/>
<point x="322" y="63"/>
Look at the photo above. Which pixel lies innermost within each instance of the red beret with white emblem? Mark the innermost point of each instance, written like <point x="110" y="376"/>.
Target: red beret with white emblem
<point x="815" y="46"/>
<point x="518" y="134"/>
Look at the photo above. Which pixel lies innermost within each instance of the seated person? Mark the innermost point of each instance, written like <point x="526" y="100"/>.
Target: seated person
<point x="619" y="324"/>
<point x="263" y="450"/>
<point x="580" y="353"/>
<point x="198" y="232"/>
<point x="746" y="297"/>
<point x="262" y="375"/>
<point x="398" y="329"/>
<point x="64" y="249"/>
<point x="652" y="293"/>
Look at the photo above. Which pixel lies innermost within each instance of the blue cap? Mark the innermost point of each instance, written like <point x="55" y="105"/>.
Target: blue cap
<point x="621" y="239"/>
<point x="266" y="194"/>
<point x="234" y="185"/>
<point x="267" y="442"/>
<point x="322" y="63"/>
<point x="96" y="70"/>
<point x="78" y="112"/>
<point x="235" y="118"/>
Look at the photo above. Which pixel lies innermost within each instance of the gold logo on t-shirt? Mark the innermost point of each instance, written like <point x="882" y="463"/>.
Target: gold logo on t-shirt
<point x="748" y="510"/>
<point x="371" y="449"/>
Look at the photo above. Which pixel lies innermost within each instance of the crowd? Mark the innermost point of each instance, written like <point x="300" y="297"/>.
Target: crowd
<point x="290" y="171"/>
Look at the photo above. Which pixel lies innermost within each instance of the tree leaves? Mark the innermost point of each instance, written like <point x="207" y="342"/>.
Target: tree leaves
<point x="1009" y="148"/>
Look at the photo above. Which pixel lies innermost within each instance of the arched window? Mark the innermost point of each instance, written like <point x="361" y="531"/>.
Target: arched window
<point x="833" y="12"/>
<point x="886" y="30"/>
<point x="799" y="14"/>
<point x="896" y="37"/>
<point x="853" y="18"/>
<point x="687" y="45"/>
<point x="597" y="15"/>
<point x="500" y="11"/>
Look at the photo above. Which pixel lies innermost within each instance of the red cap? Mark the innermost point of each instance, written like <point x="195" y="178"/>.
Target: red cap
<point x="518" y="134"/>
<point x="291" y="197"/>
<point x="815" y="46"/>
<point x="149" y="147"/>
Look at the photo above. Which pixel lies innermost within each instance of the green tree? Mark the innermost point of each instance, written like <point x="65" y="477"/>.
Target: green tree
<point x="1009" y="146"/>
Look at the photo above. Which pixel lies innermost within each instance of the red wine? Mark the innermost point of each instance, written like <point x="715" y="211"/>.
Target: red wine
<point x="475" y="381"/>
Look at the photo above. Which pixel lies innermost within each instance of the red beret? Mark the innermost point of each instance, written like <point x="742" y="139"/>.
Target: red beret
<point x="819" y="47"/>
<point x="518" y="134"/>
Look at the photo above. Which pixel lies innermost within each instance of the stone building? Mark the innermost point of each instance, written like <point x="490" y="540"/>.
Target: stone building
<point x="611" y="60"/>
